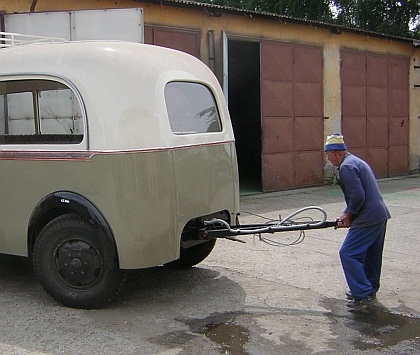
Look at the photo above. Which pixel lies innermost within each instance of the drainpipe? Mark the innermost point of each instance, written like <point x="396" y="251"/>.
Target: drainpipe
<point x="32" y="9"/>
<point x="211" y="50"/>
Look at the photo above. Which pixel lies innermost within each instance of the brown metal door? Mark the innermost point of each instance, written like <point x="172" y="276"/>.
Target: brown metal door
<point x="187" y="41"/>
<point x="291" y="76"/>
<point x="398" y="71"/>
<point x="375" y="110"/>
<point x="353" y="96"/>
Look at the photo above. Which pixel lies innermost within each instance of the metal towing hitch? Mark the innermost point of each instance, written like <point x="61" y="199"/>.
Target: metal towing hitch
<point x="218" y="228"/>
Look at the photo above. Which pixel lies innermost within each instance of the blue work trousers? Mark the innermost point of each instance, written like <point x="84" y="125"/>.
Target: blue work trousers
<point x="361" y="259"/>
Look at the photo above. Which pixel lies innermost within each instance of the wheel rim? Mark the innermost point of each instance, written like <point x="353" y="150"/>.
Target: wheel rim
<point x="78" y="264"/>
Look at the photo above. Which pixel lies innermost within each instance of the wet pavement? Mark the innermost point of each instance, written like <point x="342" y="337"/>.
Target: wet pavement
<point x="251" y="298"/>
<point x="378" y="329"/>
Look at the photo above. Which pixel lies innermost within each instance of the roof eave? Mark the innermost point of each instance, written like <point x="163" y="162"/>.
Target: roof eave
<point x="218" y="10"/>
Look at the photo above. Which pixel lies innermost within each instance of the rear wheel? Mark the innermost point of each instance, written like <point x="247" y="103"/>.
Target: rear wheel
<point x="193" y="255"/>
<point x="75" y="263"/>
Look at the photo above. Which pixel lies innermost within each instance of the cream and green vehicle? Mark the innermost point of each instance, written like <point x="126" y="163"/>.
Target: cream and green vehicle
<point x="112" y="157"/>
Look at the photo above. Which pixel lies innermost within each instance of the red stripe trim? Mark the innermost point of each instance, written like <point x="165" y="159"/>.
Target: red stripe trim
<point x="86" y="155"/>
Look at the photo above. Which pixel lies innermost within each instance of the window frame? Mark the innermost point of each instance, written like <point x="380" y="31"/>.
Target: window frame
<point x="39" y="138"/>
<point x="215" y="105"/>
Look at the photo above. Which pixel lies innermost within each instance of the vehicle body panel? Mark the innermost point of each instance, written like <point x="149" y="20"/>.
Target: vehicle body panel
<point x="145" y="180"/>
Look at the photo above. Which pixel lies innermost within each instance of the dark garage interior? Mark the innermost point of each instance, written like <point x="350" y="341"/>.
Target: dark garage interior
<point x="245" y="110"/>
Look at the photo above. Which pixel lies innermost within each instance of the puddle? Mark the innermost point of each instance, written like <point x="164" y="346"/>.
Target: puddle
<point x="381" y="329"/>
<point x="222" y="329"/>
<point x="229" y="337"/>
<point x="377" y="330"/>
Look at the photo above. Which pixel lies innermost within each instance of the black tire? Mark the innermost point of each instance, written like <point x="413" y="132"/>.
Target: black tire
<point x="192" y="256"/>
<point x="75" y="264"/>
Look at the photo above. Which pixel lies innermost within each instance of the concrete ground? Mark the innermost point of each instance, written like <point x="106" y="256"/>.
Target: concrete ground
<point x="250" y="298"/>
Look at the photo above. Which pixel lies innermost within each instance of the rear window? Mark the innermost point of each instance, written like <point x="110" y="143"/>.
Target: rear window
<point x="191" y="108"/>
<point x="39" y="111"/>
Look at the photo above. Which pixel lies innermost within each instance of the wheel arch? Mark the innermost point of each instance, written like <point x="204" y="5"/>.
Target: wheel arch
<point x="63" y="202"/>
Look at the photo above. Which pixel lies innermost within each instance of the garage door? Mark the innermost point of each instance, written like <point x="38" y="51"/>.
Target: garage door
<point x="187" y="41"/>
<point x="292" y="115"/>
<point x="375" y="110"/>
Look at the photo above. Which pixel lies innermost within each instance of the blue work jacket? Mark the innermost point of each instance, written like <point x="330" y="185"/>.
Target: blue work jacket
<point x="361" y="192"/>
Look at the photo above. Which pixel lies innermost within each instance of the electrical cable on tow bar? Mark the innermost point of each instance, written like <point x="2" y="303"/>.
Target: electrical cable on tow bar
<point x="218" y="228"/>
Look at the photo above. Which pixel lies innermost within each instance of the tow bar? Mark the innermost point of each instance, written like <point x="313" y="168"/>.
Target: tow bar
<point x="218" y="228"/>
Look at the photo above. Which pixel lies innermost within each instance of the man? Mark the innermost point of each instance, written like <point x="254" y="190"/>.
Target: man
<point x="366" y="215"/>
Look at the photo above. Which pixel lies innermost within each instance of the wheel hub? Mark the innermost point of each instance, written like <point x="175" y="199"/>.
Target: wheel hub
<point x="78" y="263"/>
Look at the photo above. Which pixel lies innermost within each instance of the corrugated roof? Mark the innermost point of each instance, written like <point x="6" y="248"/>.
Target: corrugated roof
<point x="217" y="10"/>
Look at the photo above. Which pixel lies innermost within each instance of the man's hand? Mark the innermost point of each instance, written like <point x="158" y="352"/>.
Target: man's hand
<point x="344" y="221"/>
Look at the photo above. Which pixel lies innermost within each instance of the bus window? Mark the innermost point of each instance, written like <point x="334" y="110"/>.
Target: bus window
<point x="191" y="108"/>
<point x="39" y="111"/>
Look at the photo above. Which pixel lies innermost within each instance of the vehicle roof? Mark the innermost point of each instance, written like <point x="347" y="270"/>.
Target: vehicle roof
<point x="121" y="84"/>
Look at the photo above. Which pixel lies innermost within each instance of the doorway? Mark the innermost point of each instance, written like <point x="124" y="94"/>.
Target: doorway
<point x="244" y="94"/>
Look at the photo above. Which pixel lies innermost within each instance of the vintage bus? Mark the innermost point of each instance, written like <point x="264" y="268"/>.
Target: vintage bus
<point x="112" y="156"/>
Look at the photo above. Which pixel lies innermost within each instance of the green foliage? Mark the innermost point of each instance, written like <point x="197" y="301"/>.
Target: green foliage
<point x="398" y="18"/>
<point x="318" y="10"/>
<point x="306" y="9"/>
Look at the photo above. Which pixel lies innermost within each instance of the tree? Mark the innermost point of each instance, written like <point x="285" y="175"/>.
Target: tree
<point x="318" y="10"/>
<point x="398" y="18"/>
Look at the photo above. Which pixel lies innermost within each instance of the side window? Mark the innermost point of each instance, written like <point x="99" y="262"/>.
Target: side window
<point x="39" y="111"/>
<point x="191" y="108"/>
<point x="20" y="117"/>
